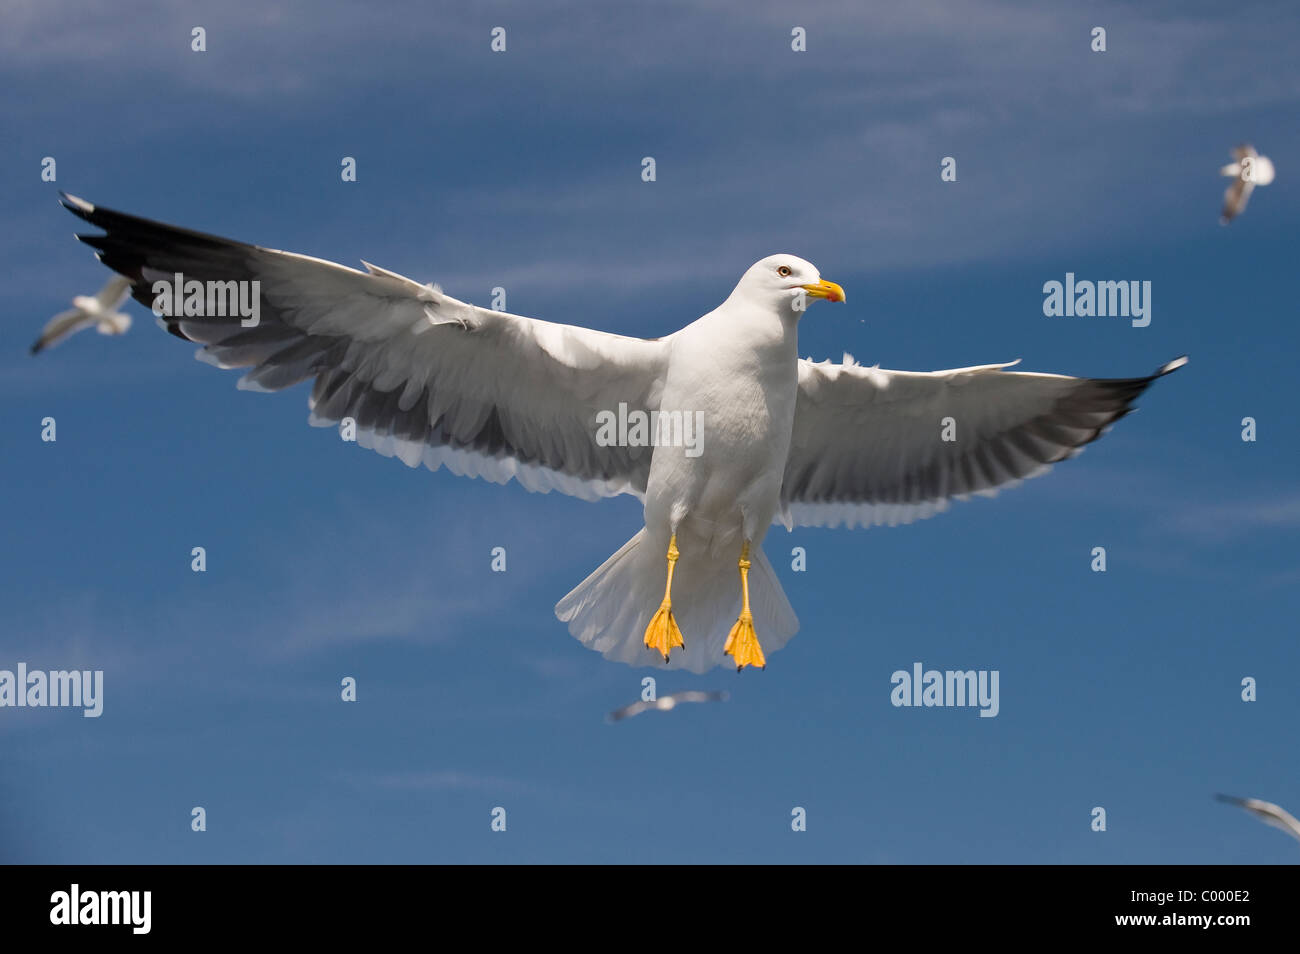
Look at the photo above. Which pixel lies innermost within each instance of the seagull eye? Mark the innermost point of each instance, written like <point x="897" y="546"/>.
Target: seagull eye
<point x="783" y="271"/>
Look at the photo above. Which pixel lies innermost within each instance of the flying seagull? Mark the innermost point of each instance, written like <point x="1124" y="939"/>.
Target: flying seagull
<point x="436" y="381"/>
<point x="1267" y="812"/>
<point x="1249" y="170"/>
<point x="667" y="703"/>
<point x="99" y="310"/>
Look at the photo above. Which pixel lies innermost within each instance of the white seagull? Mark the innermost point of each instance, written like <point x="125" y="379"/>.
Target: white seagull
<point x="436" y="381"/>
<point x="1267" y="812"/>
<point x="667" y="703"/>
<point x="99" y="310"/>
<point x="1249" y="170"/>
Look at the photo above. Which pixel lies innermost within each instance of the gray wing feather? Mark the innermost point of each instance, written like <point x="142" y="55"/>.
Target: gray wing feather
<point x="869" y="445"/>
<point x="425" y="377"/>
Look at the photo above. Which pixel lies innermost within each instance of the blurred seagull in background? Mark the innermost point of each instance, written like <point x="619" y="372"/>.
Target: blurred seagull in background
<point x="1250" y="169"/>
<point x="722" y="429"/>
<point x="667" y="703"/>
<point x="1266" y="812"/>
<point x="99" y="310"/>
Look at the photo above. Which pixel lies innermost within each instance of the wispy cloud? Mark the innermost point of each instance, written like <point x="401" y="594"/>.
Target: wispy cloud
<point x="437" y="780"/>
<point x="835" y="150"/>
<point x="1224" y="521"/>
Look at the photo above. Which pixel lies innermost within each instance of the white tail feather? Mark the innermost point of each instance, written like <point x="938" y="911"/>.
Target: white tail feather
<point x="609" y="610"/>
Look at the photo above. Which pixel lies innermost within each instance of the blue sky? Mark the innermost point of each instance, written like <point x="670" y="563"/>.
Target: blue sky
<point x="522" y="169"/>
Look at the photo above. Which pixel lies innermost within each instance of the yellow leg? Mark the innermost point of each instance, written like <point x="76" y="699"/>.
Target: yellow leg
<point x="662" y="633"/>
<point x="742" y="644"/>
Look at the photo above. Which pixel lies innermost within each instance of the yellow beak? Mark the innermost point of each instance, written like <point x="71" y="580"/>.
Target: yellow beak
<point x="824" y="289"/>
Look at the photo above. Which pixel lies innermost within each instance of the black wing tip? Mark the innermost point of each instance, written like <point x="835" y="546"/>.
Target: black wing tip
<point x="36" y="348"/>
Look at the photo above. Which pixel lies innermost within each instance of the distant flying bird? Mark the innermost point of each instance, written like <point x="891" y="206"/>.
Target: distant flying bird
<point x="1267" y="812"/>
<point x="667" y="703"/>
<point x="721" y="428"/>
<point x="99" y="310"/>
<point x="1250" y="169"/>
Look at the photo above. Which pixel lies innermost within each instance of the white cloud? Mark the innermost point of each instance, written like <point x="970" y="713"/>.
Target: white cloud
<point x="438" y="780"/>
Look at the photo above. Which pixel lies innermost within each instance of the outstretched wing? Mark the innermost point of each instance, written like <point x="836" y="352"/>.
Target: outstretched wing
<point x="701" y="695"/>
<point x="425" y="377"/>
<point x="887" y="447"/>
<point x="61" y="326"/>
<point x="1267" y="812"/>
<point x="1235" y="198"/>
<point x="627" y="712"/>
<point x="114" y="292"/>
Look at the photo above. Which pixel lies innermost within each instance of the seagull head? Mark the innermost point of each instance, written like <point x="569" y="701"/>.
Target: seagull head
<point x="786" y="282"/>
